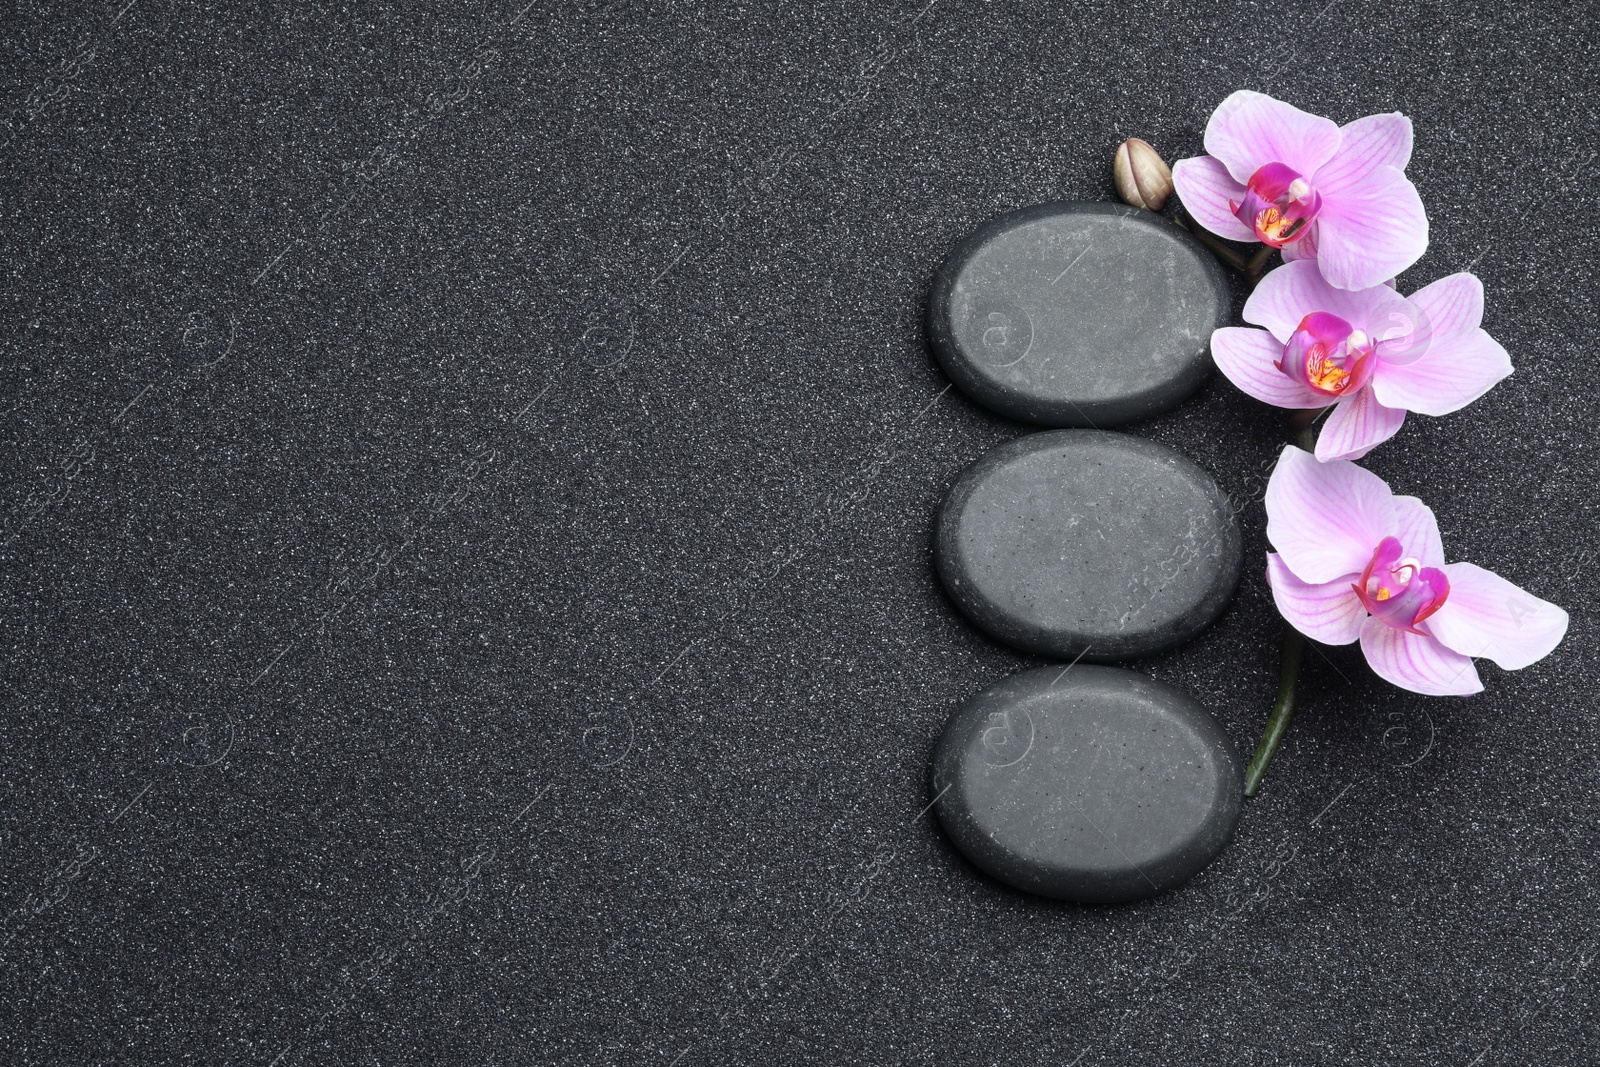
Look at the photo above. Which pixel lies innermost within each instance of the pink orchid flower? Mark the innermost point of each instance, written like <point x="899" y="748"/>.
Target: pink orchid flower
<point x="1335" y="194"/>
<point x="1371" y="353"/>
<point x="1354" y="561"/>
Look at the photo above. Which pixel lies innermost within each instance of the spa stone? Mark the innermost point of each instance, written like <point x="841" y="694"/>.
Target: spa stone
<point x="1077" y="314"/>
<point x="1091" y="784"/>
<point x="1081" y="542"/>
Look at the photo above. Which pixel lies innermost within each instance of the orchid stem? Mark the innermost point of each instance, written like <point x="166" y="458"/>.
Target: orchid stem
<point x="1282" y="711"/>
<point x="1218" y="249"/>
<point x="1294" y="643"/>
<point x="1257" y="261"/>
<point x="1302" y="421"/>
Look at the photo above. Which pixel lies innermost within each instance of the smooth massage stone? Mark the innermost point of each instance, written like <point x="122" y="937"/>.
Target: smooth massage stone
<point x="1081" y="542"/>
<point x="1092" y="784"/>
<point x="1077" y="314"/>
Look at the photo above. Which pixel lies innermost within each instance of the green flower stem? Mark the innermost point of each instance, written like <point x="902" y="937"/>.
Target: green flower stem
<point x="1282" y="711"/>
<point x="1257" y="261"/>
<point x="1294" y="644"/>
<point x="1301" y="422"/>
<point x="1220" y="250"/>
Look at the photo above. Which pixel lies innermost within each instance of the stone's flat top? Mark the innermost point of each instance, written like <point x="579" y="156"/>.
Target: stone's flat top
<point x="1077" y="314"/>
<point x="1082" y="541"/>
<point x="1092" y="784"/>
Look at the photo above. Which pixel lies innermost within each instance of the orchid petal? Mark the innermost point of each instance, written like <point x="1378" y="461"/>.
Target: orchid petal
<point x="1447" y="376"/>
<point x="1417" y="663"/>
<point x="1287" y="295"/>
<point x="1330" y="612"/>
<point x="1452" y="306"/>
<point x="1418" y="531"/>
<point x="1371" y="231"/>
<point x="1485" y="615"/>
<point x="1325" y="518"/>
<point x="1248" y="359"/>
<point x="1358" y="425"/>
<point x="1364" y="145"/>
<point x="1249" y="130"/>
<point x="1205" y="189"/>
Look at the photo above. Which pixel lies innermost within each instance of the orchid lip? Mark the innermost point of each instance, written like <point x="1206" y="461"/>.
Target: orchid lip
<point x="1398" y="590"/>
<point x="1329" y="355"/>
<point x="1279" y="205"/>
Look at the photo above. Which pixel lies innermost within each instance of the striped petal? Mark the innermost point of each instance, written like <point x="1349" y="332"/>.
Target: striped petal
<point x="1371" y="231"/>
<point x="1418" y="531"/>
<point x="1365" y="145"/>
<point x="1420" y="664"/>
<point x="1287" y="295"/>
<point x="1249" y="130"/>
<point x="1330" y="612"/>
<point x="1485" y="615"/>
<point x="1326" y="518"/>
<point x="1248" y="359"/>
<point x="1452" y="306"/>
<point x="1205" y="188"/>
<point x="1447" y="375"/>
<point x="1358" y="425"/>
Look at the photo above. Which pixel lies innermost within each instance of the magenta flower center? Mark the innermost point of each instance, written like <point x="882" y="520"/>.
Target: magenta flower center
<point x="1278" y="205"/>
<point x="1398" y="589"/>
<point x="1329" y="355"/>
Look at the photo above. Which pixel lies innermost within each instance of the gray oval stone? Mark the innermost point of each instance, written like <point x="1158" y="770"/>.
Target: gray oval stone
<point x="1077" y="314"/>
<point x="1081" y="542"/>
<point x="1092" y="784"/>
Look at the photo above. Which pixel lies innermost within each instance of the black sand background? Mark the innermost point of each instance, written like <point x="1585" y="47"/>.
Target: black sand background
<point x="464" y="574"/>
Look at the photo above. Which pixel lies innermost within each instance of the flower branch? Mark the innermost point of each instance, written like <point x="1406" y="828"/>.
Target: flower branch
<point x="1329" y="334"/>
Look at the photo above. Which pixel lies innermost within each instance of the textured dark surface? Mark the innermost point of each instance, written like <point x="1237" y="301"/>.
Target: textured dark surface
<point x="324" y="526"/>
<point x="1077" y="314"/>
<point x="1093" y="784"/>
<point x="1087" y="544"/>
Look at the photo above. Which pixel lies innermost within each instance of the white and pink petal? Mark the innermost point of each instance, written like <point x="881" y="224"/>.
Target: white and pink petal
<point x="1249" y="130"/>
<point x="1364" y="145"/>
<point x="1329" y="612"/>
<point x="1451" y="306"/>
<point x="1371" y="231"/>
<point x="1446" y="376"/>
<point x="1487" y="616"/>
<point x="1248" y="359"/>
<point x="1206" y="190"/>
<point x="1418" y="531"/>
<point x="1291" y="292"/>
<point x="1420" y="664"/>
<point x="1358" y="425"/>
<point x="1325" y="518"/>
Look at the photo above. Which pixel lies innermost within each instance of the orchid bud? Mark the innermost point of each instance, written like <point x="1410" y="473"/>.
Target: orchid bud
<point x="1142" y="177"/>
